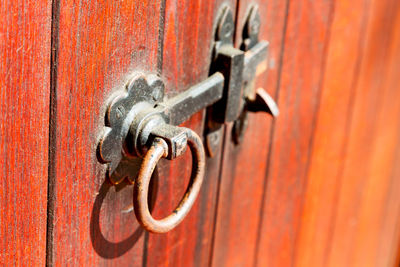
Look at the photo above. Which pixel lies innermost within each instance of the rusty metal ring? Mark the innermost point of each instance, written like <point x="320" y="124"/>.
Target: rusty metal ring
<point x="158" y="150"/>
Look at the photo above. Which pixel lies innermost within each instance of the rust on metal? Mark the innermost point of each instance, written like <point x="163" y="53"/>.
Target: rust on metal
<point x="159" y="149"/>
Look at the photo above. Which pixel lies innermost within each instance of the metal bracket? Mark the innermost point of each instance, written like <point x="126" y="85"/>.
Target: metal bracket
<point x="240" y="68"/>
<point x="140" y="90"/>
<point x="139" y="113"/>
<point x="255" y="100"/>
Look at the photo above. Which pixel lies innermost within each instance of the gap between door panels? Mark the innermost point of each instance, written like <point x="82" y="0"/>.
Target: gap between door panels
<point x="51" y="183"/>
<point x="268" y="160"/>
<point x="160" y="57"/>
<point x="189" y="29"/>
<point x="52" y="162"/>
<point x="306" y="39"/>
<point x="250" y="256"/>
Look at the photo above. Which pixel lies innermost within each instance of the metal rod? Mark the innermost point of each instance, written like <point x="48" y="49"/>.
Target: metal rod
<point x="181" y="107"/>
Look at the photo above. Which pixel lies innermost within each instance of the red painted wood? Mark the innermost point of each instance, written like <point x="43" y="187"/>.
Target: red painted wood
<point x="188" y="36"/>
<point x="99" y="43"/>
<point x="319" y="186"/>
<point x="245" y="166"/>
<point x="332" y="127"/>
<point x="24" y="115"/>
<point x="388" y="251"/>
<point x="352" y="204"/>
<point x="306" y="40"/>
<point x="108" y="232"/>
<point x="371" y="150"/>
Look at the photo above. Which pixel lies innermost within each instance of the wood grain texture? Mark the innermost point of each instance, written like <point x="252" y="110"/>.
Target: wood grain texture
<point x="332" y="127"/>
<point x="303" y="64"/>
<point x="114" y="237"/>
<point x="244" y="166"/>
<point x="188" y="39"/>
<point x="98" y="45"/>
<point x="370" y="156"/>
<point x="351" y="208"/>
<point x="319" y="186"/>
<point x="25" y="28"/>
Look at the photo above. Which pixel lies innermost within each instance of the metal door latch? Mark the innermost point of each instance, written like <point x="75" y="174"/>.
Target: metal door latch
<point x="239" y="67"/>
<point x="140" y="122"/>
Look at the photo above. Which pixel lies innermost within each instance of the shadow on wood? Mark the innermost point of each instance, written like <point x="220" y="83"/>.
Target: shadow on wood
<point x="108" y="249"/>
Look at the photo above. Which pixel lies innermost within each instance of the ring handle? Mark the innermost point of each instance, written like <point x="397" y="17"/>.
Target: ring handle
<point x="159" y="149"/>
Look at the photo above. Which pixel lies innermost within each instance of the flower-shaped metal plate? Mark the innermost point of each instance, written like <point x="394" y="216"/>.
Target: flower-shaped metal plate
<point x="119" y="116"/>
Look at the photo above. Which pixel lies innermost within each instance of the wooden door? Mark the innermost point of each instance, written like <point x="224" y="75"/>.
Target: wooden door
<point x="317" y="186"/>
<point x="24" y="130"/>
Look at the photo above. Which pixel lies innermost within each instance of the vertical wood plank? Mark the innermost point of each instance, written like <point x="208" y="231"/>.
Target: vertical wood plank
<point x="371" y="149"/>
<point x="381" y="203"/>
<point x="187" y="49"/>
<point x="332" y="127"/>
<point x="25" y="28"/>
<point x="351" y="210"/>
<point x="304" y="56"/>
<point x="244" y="166"/>
<point x="99" y="43"/>
<point x="388" y="252"/>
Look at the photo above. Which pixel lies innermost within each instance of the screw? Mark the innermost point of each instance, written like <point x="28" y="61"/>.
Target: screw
<point x="228" y="29"/>
<point x="225" y="31"/>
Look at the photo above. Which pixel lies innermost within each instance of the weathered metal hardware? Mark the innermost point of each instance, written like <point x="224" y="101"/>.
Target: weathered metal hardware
<point x="141" y="123"/>
<point x="240" y="67"/>
<point x="140" y="119"/>
<point x="160" y="149"/>
<point x="135" y="117"/>
<point x="255" y="99"/>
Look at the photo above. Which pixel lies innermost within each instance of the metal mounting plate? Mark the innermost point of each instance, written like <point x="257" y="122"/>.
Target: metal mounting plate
<point x="140" y="90"/>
